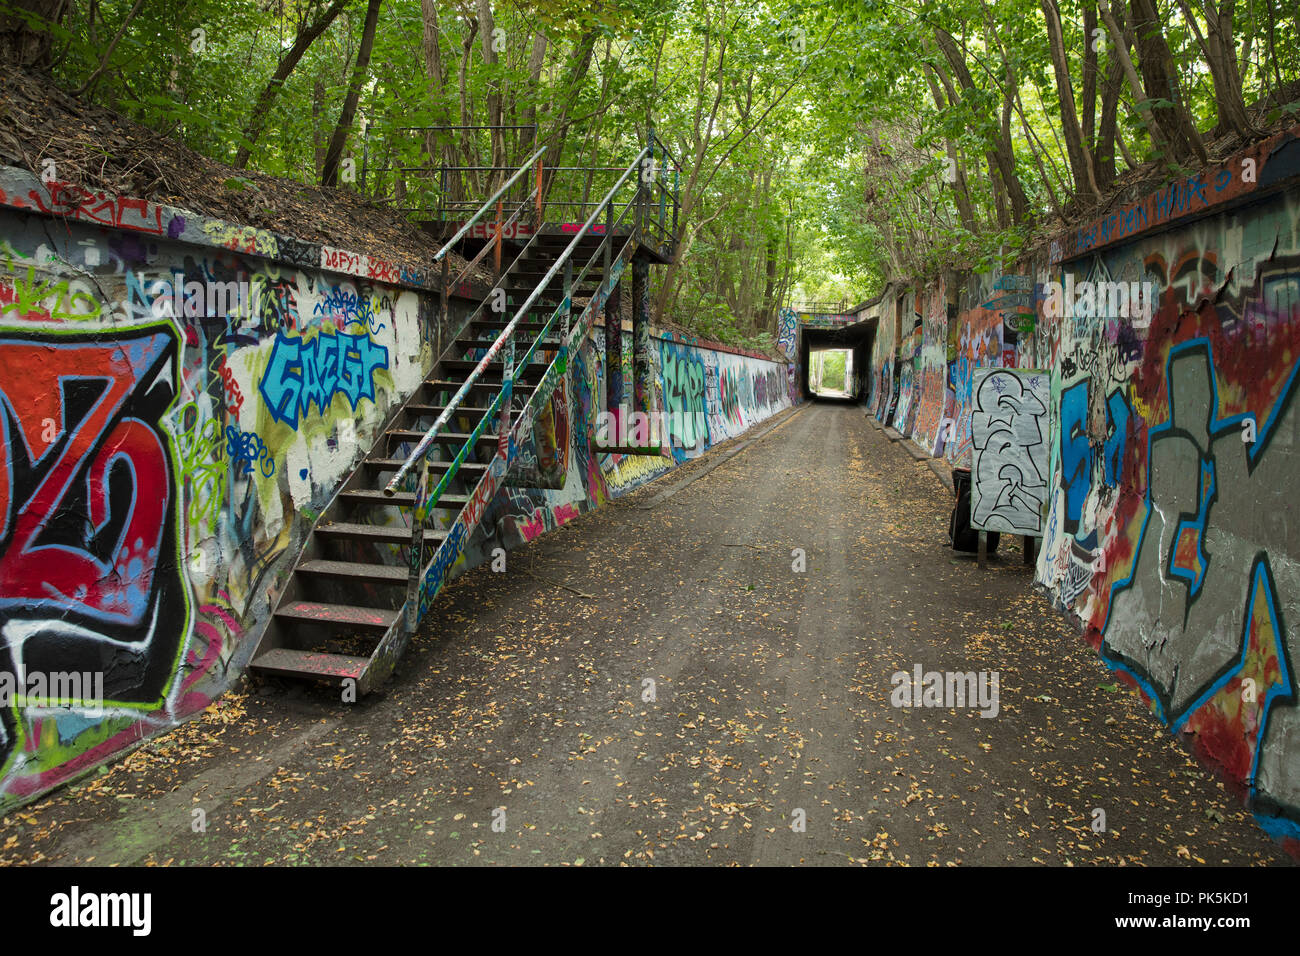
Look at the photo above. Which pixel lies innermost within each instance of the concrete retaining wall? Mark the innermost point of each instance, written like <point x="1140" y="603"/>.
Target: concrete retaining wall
<point x="179" y="397"/>
<point x="1167" y="507"/>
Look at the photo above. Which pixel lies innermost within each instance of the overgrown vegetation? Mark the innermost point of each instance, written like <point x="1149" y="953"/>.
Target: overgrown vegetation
<point x="823" y="147"/>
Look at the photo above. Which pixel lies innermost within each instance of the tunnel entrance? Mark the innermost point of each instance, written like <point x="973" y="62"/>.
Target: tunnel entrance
<point x="854" y="341"/>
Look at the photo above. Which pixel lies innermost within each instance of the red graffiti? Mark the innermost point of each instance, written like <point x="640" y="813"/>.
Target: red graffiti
<point x="340" y="260"/>
<point x="76" y="202"/>
<point x="234" y="396"/>
<point x="67" y="403"/>
<point x="382" y="271"/>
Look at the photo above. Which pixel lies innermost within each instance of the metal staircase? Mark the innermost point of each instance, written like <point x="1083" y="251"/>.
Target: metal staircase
<point x="382" y="549"/>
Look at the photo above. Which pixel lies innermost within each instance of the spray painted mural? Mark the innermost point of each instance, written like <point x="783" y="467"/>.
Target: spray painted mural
<point x="173" y="414"/>
<point x="1174" y="467"/>
<point x="934" y="396"/>
<point x="701" y="395"/>
<point x="787" y="332"/>
<point x="1010" y="438"/>
<point x="1172" y="448"/>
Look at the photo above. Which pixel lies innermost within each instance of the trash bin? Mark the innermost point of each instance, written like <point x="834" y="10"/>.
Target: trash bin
<point x="961" y="536"/>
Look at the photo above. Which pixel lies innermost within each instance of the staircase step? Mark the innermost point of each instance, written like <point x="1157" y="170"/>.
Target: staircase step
<point x="340" y="615"/>
<point x="498" y="325"/>
<point x="376" y="496"/>
<point x="447" y="502"/>
<point x="379" y="533"/>
<point x="354" y="571"/>
<point x="494" y="368"/>
<point x="528" y="280"/>
<point x="392" y="464"/>
<point x="550" y="343"/>
<point x="486" y="382"/>
<point x="444" y="438"/>
<point x="293" y="663"/>
<point x="433" y="411"/>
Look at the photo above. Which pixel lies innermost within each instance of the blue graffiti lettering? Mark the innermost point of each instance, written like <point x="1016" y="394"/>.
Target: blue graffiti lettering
<point x="301" y="373"/>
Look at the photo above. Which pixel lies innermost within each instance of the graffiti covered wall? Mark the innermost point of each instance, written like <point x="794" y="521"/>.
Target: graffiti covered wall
<point x="1173" y="465"/>
<point x="180" y="397"/>
<point x="705" y="394"/>
<point x="175" y="407"/>
<point x="1171" y="444"/>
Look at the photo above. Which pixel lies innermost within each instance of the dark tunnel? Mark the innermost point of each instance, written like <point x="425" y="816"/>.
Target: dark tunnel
<point x="857" y="338"/>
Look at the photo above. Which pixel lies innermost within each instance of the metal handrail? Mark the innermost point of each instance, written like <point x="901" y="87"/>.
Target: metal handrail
<point x="422" y="447"/>
<point x="460" y="234"/>
<point x="486" y="246"/>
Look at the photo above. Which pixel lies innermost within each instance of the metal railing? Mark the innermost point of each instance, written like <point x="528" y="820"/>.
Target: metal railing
<point x="503" y="345"/>
<point x="565" y="193"/>
<point x="823" y="308"/>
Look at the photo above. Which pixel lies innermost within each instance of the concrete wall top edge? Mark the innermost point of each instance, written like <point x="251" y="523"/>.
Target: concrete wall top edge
<point x="22" y="191"/>
<point x="1263" y="167"/>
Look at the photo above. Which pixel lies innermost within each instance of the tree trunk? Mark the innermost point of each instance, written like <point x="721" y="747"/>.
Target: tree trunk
<point x="1075" y="147"/>
<point x="22" y="45"/>
<point x="257" y="119"/>
<point x="1038" y="153"/>
<point x="1088" y="118"/>
<point x="579" y="64"/>
<point x="93" y="79"/>
<point x="702" y="130"/>
<point x="334" y="154"/>
<point x="960" y="194"/>
<point x="1104" y="157"/>
<point x="470" y="178"/>
<point x="431" y="52"/>
<point x="318" y="124"/>
<point x="536" y="61"/>
<point x="487" y="28"/>
<point x="1001" y="156"/>
<point x="1221" y="57"/>
<point x="1121" y="41"/>
<point x="1161" y="81"/>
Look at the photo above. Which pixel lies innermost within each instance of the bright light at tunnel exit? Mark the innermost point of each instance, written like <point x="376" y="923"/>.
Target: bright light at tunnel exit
<point x="830" y="371"/>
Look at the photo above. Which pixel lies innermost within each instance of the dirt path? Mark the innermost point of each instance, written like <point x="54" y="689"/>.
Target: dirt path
<point x="772" y="703"/>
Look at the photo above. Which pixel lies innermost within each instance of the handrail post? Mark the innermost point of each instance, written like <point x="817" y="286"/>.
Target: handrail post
<point x="500" y="229"/>
<point x="444" y="310"/>
<point x="507" y="387"/>
<point x="644" y="192"/>
<point x="540" y="161"/>
<point x="415" y="562"/>
<point x="609" y="237"/>
<point x="677" y="199"/>
<point x="568" y="300"/>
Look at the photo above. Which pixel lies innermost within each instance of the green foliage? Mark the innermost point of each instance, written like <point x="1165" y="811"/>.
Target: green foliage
<point x="814" y="155"/>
